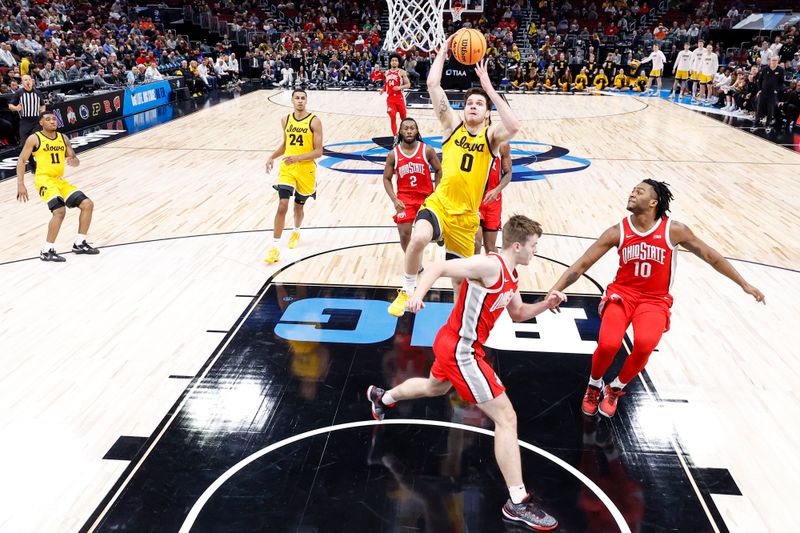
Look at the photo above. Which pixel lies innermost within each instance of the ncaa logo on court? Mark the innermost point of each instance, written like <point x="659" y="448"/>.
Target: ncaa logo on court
<point x="531" y="160"/>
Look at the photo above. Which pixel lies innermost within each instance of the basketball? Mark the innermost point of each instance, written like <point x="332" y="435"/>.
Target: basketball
<point x="468" y="46"/>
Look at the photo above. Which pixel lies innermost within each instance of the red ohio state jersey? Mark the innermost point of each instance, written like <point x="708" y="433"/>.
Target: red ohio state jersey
<point x="413" y="173"/>
<point x="478" y="308"/>
<point x="646" y="260"/>
<point x="393" y="80"/>
<point x="494" y="175"/>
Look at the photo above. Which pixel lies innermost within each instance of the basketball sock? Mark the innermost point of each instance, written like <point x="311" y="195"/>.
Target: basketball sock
<point x="617" y="384"/>
<point x="276" y="242"/>
<point x="409" y="283"/>
<point x="517" y="493"/>
<point x="387" y="399"/>
<point x="597" y="383"/>
<point x="48" y="246"/>
<point x="79" y="239"/>
<point x="296" y="230"/>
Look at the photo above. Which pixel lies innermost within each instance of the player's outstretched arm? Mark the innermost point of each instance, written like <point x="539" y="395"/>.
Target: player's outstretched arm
<point x="30" y="143"/>
<point x="681" y="234"/>
<point x="598" y="249"/>
<point x="441" y="105"/>
<point x="520" y="312"/>
<point x="510" y="125"/>
<point x="477" y="267"/>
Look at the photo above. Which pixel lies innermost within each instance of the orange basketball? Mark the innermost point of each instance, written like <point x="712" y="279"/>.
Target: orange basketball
<point x="468" y="46"/>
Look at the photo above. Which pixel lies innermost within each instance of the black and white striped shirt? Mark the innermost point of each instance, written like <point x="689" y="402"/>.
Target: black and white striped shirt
<point x="31" y="102"/>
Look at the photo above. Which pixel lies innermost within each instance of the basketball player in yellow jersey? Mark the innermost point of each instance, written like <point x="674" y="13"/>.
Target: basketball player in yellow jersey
<point x="51" y="151"/>
<point x="469" y="147"/>
<point x="302" y="144"/>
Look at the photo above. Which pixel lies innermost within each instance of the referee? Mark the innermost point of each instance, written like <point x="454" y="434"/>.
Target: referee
<point x="28" y="102"/>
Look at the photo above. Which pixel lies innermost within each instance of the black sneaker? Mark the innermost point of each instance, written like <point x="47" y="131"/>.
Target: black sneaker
<point x="529" y="513"/>
<point x="51" y="255"/>
<point x="84" y="248"/>
<point x="375" y="396"/>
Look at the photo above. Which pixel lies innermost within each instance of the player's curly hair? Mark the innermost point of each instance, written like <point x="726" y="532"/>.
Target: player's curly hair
<point x="520" y="228"/>
<point x="663" y="195"/>
<point x="399" y="137"/>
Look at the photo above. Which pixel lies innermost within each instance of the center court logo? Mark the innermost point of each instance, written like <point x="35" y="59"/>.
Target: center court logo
<point x="531" y="160"/>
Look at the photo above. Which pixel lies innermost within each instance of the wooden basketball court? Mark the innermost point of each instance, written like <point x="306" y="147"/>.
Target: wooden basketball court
<point x="108" y="346"/>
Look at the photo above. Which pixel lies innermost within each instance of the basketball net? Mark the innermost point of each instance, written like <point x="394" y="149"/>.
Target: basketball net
<point x="415" y="24"/>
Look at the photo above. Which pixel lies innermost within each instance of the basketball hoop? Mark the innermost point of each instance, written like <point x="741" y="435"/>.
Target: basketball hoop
<point x="456" y="11"/>
<point x="415" y="24"/>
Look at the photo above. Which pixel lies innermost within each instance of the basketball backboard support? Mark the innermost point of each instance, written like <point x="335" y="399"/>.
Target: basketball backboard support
<point x="470" y="6"/>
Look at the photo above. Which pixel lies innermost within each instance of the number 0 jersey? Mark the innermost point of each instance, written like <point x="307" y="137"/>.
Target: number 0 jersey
<point x="466" y="160"/>
<point x="50" y="156"/>
<point x="646" y="260"/>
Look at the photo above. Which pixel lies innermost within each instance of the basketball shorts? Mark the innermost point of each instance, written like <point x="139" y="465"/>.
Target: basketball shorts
<point x="490" y="215"/>
<point x="694" y="74"/>
<point x="396" y="106"/>
<point x="57" y="192"/>
<point x="702" y="78"/>
<point x="300" y="177"/>
<point x="682" y="75"/>
<point x="655" y="73"/>
<point x="409" y="214"/>
<point x="473" y="378"/>
<point x="635" y="302"/>
<point x="457" y="231"/>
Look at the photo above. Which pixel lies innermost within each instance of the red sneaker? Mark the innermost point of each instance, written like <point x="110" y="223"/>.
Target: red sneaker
<point x="590" y="401"/>
<point x="608" y="407"/>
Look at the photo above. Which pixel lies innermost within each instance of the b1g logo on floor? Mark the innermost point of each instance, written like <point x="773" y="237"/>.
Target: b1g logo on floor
<point x="531" y="160"/>
<point x="356" y="321"/>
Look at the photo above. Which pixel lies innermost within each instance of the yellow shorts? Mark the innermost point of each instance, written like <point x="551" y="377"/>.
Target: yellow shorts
<point x="50" y="187"/>
<point x="655" y="73"/>
<point x="704" y="79"/>
<point x="694" y="74"/>
<point x="300" y="176"/>
<point x="458" y="231"/>
<point x="682" y="75"/>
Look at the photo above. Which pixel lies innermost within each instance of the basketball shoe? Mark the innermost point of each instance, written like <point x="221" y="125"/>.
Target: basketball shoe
<point x="608" y="407"/>
<point x="590" y="401"/>
<point x="398" y="306"/>
<point x="375" y="397"/>
<point x="51" y="255"/>
<point x="294" y="240"/>
<point x="84" y="248"/>
<point x="273" y="256"/>
<point x="529" y="513"/>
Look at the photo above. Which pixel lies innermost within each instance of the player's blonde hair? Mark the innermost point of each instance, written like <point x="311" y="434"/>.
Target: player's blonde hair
<point x="520" y="228"/>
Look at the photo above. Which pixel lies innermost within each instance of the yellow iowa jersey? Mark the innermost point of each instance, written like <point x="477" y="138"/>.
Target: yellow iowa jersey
<point x="581" y="81"/>
<point x="50" y="156"/>
<point x="299" y="137"/>
<point x="600" y="81"/>
<point x="466" y="159"/>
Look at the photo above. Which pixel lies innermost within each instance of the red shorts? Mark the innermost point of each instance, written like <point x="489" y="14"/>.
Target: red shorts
<point x="396" y="106"/>
<point x="490" y="215"/>
<point x="633" y="301"/>
<point x="409" y="214"/>
<point x="473" y="378"/>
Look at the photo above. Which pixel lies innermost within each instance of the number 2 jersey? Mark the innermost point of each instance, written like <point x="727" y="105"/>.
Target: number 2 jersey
<point x="413" y="172"/>
<point x="647" y="260"/>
